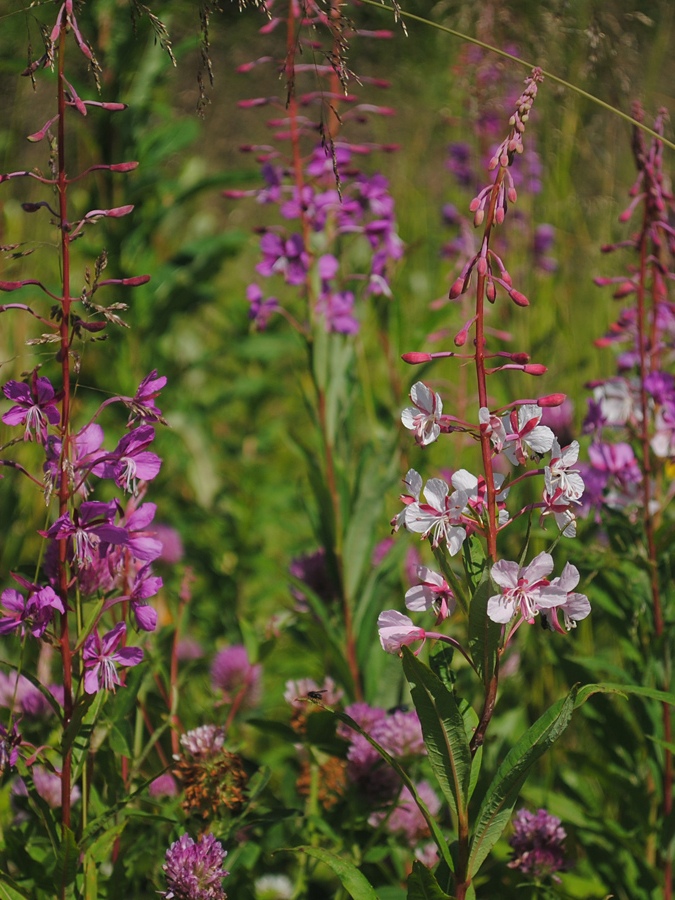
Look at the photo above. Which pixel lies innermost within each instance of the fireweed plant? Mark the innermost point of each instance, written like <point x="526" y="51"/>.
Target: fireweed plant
<point x="629" y="475"/>
<point x="86" y="601"/>
<point x="325" y="267"/>
<point x="463" y="518"/>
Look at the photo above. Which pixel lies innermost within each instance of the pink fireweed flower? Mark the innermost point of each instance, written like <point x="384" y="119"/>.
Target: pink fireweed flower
<point x="397" y="630"/>
<point x="35" y="407"/>
<point x="527" y="437"/>
<point x="90" y="525"/>
<point x="493" y="426"/>
<point x="525" y="590"/>
<point x="413" y="482"/>
<point x="575" y="608"/>
<point x="433" y="593"/>
<point x="32" y="615"/>
<point x="131" y="461"/>
<point x="143" y="405"/>
<point x="559" y="475"/>
<point x="87" y="452"/>
<point x="440" y="517"/>
<point x="100" y="654"/>
<point x="423" y="419"/>
<point x="476" y="491"/>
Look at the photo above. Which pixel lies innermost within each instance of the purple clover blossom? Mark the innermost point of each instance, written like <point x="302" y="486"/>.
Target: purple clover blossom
<point x="233" y="673"/>
<point x="537" y="844"/>
<point x="35" y="407"/>
<point x="33" y="614"/>
<point x="100" y="656"/>
<point x="90" y="525"/>
<point x="203" y="742"/>
<point x="194" y="871"/>
<point x="406" y="818"/>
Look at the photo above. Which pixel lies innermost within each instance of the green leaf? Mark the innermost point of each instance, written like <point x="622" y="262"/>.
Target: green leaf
<point x="67" y="858"/>
<point x="483" y="632"/>
<point x="423" y="886"/>
<point x="443" y="730"/>
<point x="9" y="890"/>
<point x="651" y="693"/>
<point x="353" y="881"/>
<point x="502" y="794"/>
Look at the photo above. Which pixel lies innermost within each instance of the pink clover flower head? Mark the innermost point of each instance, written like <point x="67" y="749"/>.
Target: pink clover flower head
<point x="413" y="482"/>
<point x="526" y="590"/>
<point x="364" y="715"/>
<point x="194" y="871"/>
<point x="537" y="843"/>
<point x="406" y="818"/>
<point x="203" y="742"/>
<point x="424" y="418"/>
<point x="433" y="593"/>
<point x="400" y="733"/>
<point x="297" y="690"/>
<point x="397" y="630"/>
<point x="35" y="407"/>
<point x="233" y="673"/>
<point x="32" y="615"/>
<point x="527" y="437"/>
<point x="10" y="741"/>
<point x="575" y="608"/>
<point x="48" y="786"/>
<point x="440" y="518"/>
<point x="143" y="404"/>
<point x="164" y="785"/>
<point x="101" y="654"/>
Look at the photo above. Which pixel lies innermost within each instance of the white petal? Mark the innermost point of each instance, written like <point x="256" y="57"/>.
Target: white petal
<point x="435" y="492"/>
<point x="499" y="609"/>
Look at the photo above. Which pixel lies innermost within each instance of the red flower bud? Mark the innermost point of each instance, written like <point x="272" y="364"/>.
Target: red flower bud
<point x="518" y="298"/>
<point x="551" y="400"/>
<point x="414" y="358"/>
<point x="535" y="369"/>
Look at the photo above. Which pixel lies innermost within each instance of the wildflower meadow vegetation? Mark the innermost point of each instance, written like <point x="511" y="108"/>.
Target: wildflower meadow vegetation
<point x="338" y="450"/>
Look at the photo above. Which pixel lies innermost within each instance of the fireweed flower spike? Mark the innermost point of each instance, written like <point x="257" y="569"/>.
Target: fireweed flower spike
<point x="194" y="871"/>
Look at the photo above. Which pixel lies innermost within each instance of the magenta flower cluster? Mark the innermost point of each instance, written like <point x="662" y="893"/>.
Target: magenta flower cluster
<point x="194" y="870"/>
<point x="537" y="843"/>
<point x="339" y="235"/>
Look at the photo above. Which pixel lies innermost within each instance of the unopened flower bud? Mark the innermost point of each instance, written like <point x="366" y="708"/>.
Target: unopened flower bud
<point x="491" y="291"/>
<point x="457" y="289"/>
<point x="535" y="369"/>
<point x="551" y="400"/>
<point x="518" y="298"/>
<point x="520" y="358"/>
<point x="414" y="358"/>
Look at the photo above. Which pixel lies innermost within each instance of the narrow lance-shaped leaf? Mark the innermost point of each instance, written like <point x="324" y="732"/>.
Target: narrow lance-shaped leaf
<point x="354" y="882"/>
<point x="502" y="794"/>
<point x="423" y="886"/>
<point x="443" y="730"/>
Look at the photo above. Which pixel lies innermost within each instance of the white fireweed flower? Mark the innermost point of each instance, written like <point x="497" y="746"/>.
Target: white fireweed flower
<point x="440" y="517"/>
<point x="423" y="419"/>
<point x="525" y="590"/>
<point x="413" y="483"/>
<point x="560" y="476"/>
<point x="575" y="607"/>
<point x="615" y="400"/>
<point x="397" y="630"/>
<point x="527" y="434"/>
<point x="432" y="594"/>
<point x="493" y="426"/>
